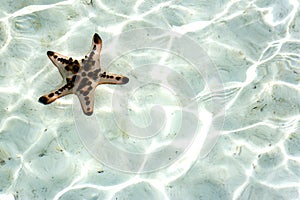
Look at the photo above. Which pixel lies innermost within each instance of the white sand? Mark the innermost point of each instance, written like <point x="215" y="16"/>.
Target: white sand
<point x="54" y="152"/>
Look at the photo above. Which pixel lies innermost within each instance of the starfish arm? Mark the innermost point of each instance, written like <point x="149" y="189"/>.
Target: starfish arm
<point x="96" y="44"/>
<point x="92" y="60"/>
<point x="66" y="65"/>
<point x="52" y="96"/>
<point x="107" y="78"/>
<point x="87" y="103"/>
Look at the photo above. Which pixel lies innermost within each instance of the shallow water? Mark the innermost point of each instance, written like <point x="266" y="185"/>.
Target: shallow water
<point x="210" y="112"/>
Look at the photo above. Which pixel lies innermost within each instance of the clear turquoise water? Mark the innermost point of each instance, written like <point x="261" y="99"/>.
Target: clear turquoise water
<point x="211" y="110"/>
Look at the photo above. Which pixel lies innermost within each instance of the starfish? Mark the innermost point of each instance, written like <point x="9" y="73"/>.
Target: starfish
<point x="81" y="77"/>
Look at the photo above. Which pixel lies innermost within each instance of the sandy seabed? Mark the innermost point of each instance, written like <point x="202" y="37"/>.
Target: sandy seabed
<point x="237" y="116"/>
